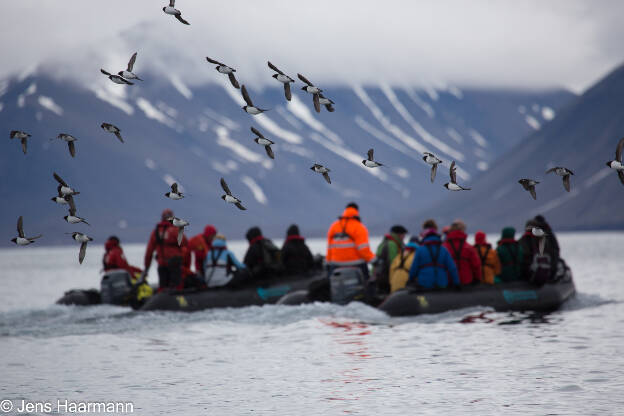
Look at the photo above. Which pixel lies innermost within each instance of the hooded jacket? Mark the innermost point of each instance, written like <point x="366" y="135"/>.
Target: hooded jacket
<point x="296" y="256"/>
<point x="164" y="241"/>
<point x="199" y="246"/>
<point x="347" y="241"/>
<point x="114" y="258"/>
<point x="510" y="254"/>
<point x="490" y="264"/>
<point x="219" y="264"/>
<point x="262" y="257"/>
<point x="465" y="256"/>
<point x="433" y="266"/>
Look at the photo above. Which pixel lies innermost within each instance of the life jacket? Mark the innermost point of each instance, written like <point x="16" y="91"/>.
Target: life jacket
<point x="434" y="259"/>
<point x="541" y="268"/>
<point x="382" y="266"/>
<point x="511" y="246"/>
<point x="483" y="255"/>
<point x="347" y="241"/>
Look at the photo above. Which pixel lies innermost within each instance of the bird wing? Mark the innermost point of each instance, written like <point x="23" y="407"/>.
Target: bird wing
<point x="434" y="169"/>
<point x="35" y="237"/>
<point x="233" y="80"/>
<point x="212" y="61"/>
<point x="274" y="68"/>
<point x="171" y="3"/>
<point x="317" y="104"/>
<point x="24" y="145"/>
<point x="621" y="175"/>
<point x="453" y="173"/>
<point x="532" y="191"/>
<point x="246" y="96"/>
<point x="118" y="134"/>
<point x="255" y="131"/>
<point x="269" y="151"/>
<point x="326" y="176"/>
<point x="370" y="154"/>
<point x="566" y="182"/>
<point x="618" y="150"/>
<point x="72" y="149"/>
<point x="541" y="243"/>
<point x="72" y="206"/>
<point x="20" y="226"/>
<point x="551" y="170"/>
<point x="59" y="179"/>
<point x="304" y="79"/>
<point x="174" y="187"/>
<point x="126" y="81"/>
<point x="225" y="187"/>
<point x="287" y="92"/>
<point x="131" y="62"/>
<point x="240" y="206"/>
<point x="179" y="17"/>
<point x="13" y="133"/>
<point x="330" y="108"/>
<point x="104" y="72"/>
<point x="83" y="252"/>
<point x="180" y="235"/>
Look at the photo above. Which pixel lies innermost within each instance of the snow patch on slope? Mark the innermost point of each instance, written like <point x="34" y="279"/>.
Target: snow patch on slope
<point x="420" y="102"/>
<point x="223" y="139"/>
<point x="150" y="164"/>
<point x="21" y="99"/>
<point x="454" y="135"/>
<point x="181" y="87"/>
<point x="478" y="138"/>
<point x="221" y="119"/>
<point x="255" y="189"/>
<point x="364" y="125"/>
<point x="299" y="109"/>
<point x="532" y="121"/>
<point x="153" y="113"/>
<point x="548" y="113"/>
<point x="113" y="96"/>
<point x="49" y="104"/>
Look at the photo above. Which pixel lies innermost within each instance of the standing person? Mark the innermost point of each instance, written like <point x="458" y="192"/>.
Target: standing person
<point x="400" y="267"/>
<point x="347" y="242"/>
<point x="262" y="257"/>
<point x="221" y="265"/>
<point x="433" y="266"/>
<point x="490" y="263"/>
<point x="199" y="246"/>
<point x="114" y="257"/>
<point x="169" y="255"/>
<point x="390" y="247"/>
<point x="464" y="254"/>
<point x="539" y="267"/>
<point x="296" y="256"/>
<point x="510" y="255"/>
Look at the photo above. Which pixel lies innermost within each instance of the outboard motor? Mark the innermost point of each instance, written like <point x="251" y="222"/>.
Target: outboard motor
<point x="347" y="284"/>
<point x="116" y="287"/>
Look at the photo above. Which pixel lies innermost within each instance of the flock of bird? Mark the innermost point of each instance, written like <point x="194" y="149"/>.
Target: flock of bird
<point x="65" y="194"/>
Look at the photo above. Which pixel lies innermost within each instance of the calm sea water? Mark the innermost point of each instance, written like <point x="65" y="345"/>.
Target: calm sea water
<point x="318" y="359"/>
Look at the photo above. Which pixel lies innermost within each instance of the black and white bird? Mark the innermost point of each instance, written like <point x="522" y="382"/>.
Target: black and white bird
<point x="70" y="142"/>
<point x="175" y="194"/>
<point x="326" y="102"/>
<point x="263" y="141"/>
<point x="564" y="173"/>
<point x="23" y="136"/>
<point x="117" y="79"/>
<point x="128" y="74"/>
<point x="250" y="108"/>
<point x="529" y="185"/>
<point x="322" y="170"/>
<point x="370" y="162"/>
<point x="174" y="12"/>
<point x="112" y="129"/>
<point x="224" y="69"/>
<point x="83" y="239"/>
<point x="62" y="199"/>
<point x="311" y="89"/>
<point x="432" y="160"/>
<point x="617" y="163"/>
<point x="64" y="189"/>
<point x="541" y="235"/>
<point x="228" y="197"/>
<point x="72" y="218"/>
<point x="21" y="239"/>
<point x="452" y="185"/>
<point x="283" y="78"/>
<point x="180" y="224"/>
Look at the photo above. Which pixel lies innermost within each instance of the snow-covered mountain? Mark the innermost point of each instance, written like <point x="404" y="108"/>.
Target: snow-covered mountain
<point x="195" y="134"/>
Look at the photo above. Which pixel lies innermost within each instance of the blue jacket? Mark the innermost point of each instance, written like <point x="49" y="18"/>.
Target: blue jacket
<point x="430" y="275"/>
<point x="216" y="264"/>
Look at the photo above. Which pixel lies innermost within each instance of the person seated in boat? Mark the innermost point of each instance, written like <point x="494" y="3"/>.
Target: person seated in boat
<point x="540" y="254"/>
<point x="263" y="257"/>
<point x="490" y="263"/>
<point x="400" y="267"/>
<point x="221" y="266"/>
<point x="296" y="256"/>
<point x="390" y="247"/>
<point x="510" y="255"/>
<point x="433" y="266"/>
<point x="199" y="246"/>
<point x="114" y="258"/>
<point x="463" y="253"/>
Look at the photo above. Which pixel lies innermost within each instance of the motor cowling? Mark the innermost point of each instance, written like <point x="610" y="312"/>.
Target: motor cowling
<point x="346" y="285"/>
<point x="116" y="287"/>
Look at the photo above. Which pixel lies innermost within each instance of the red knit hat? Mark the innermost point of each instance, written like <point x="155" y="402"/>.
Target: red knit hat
<point x="480" y="238"/>
<point x="210" y="231"/>
<point x="166" y="214"/>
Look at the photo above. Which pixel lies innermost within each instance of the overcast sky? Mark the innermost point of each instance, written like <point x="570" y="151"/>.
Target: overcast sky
<point x="569" y="43"/>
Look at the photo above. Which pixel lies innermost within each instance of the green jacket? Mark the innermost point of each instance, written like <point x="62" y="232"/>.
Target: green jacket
<point x="510" y="255"/>
<point x="381" y="270"/>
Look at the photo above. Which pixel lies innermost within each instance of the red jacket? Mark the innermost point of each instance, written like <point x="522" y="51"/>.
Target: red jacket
<point x="114" y="258"/>
<point x="468" y="264"/>
<point x="198" y="245"/>
<point x="164" y="240"/>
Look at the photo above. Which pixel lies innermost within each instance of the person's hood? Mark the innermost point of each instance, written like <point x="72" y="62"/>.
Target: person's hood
<point x="456" y="235"/>
<point x="480" y="238"/>
<point x="110" y="244"/>
<point x="209" y="232"/>
<point x="167" y="213"/>
<point x="508" y="233"/>
<point x="219" y="242"/>
<point x="292" y="230"/>
<point x="350" y="212"/>
<point x="427" y="232"/>
<point x="432" y="236"/>
<point x="253" y="233"/>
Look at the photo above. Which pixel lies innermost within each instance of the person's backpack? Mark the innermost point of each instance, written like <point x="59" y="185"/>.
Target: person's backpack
<point x="271" y="255"/>
<point x="382" y="268"/>
<point x="540" y="269"/>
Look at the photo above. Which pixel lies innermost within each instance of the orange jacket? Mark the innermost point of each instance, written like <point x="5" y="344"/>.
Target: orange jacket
<point x="490" y="264"/>
<point x="347" y="241"/>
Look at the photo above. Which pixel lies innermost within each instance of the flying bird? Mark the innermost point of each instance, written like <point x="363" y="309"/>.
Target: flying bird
<point x="83" y="239"/>
<point x="315" y="91"/>
<point x="224" y="69"/>
<point x="72" y="218"/>
<point x="22" y="135"/>
<point x="565" y="173"/>
<point x="326" y="102"/>
<point x="432" y="160"/>
<point x="250" y="108"/>
<point x="228" y="197"/>
<point x="62" y="199"/>
<point x="112" y="129"/>
<point x="117" y="79"/>
<point x="529" y="185"/>
<point x="617" y="163"/>
<point x="452" y="185"/>
<point x="541" y="235"/>
<point x="174" y="194"/>
<point x="370" y="163"/>
<point x="174" y="12"/>
<point x="283" y="78"/>
<point x="180" y="224"/>
<point x="70" y="142"/>
<point x="263" y="141"/>
<point x="128" y="74"/>
<point x="63" y="188"/>
<point x="322" y="170"/>
<point x="21" y="239"/>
